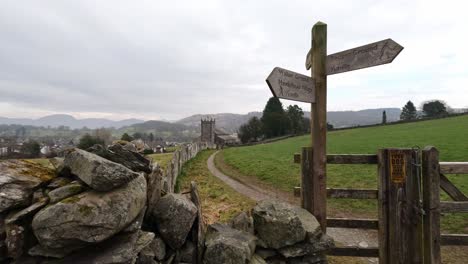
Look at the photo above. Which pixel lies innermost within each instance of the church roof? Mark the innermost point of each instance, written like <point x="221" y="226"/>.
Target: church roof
<point x="220" y="131"/>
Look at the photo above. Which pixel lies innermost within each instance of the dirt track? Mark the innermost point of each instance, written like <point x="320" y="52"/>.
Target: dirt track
<point x="344" y="236"/>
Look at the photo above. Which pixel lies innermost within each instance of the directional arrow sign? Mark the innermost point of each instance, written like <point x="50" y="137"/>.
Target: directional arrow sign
<point x="369" y="55"/>
<point x="291" y="85"/>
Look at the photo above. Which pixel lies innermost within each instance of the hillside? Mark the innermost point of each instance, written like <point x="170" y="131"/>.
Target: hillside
<point x="168" y="131"/>
<point x="68" y="120"/>
<point x="232" y="122"/>
<point x="227" y="121"/>
<point x="272" y="163"/>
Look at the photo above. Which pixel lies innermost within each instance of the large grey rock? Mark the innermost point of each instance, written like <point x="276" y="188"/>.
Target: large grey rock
<point x="26" y="212"/>
<point x="256" y="259"/>
<point x="18" y="180"/>
<point x="225" y="244"/>
<point x="187" y="252"/>
<point x="305" y="248"/>
<point x="174" y="216"/>
<point x="120" y="249"/>
<point x="90" y="217"/>
<point x="99" y="173"/>
<point x="243" y="222"/>
<point x="198" y="230"/>
<point x="156" y="249"/>
<point x="41" y="251"/>
<point x="280" y="224"/>
<point x="66" y="191"/>
<point x="117" y="153"/>
<point x="58" y="182"/>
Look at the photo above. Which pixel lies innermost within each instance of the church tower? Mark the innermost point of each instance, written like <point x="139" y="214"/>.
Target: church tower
<point x="208" y="130"/>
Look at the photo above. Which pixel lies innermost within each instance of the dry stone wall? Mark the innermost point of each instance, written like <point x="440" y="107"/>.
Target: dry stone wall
<point x="111" y="205"/>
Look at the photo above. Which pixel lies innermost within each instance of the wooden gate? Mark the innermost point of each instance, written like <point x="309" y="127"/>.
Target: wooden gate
<point x="409" y="206"/>
<point x="434" y="179"/>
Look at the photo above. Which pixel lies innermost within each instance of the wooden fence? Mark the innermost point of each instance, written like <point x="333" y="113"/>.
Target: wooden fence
<point x="307" y="187"/>
<point x="434" y="179"/>
<point x="409" y="206"/>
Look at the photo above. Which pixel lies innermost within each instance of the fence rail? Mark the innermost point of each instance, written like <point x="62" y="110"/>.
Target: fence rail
<point x="434" y="179"/>
<point x="454" y="239"/>
<point x="342" y="193"/>
<point x="355" y="252"/>
<point x="454" y="207"/>
<point x="353" y="223"/>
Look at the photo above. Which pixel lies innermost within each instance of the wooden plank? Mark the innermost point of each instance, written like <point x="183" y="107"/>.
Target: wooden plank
<point x="345" y="193"/>
<point x="383" y="206"/>
<point x="454" y="239"/>
<point x="353" y="223"/>
<point x="451" y="190"/>
<point x="371" y="252"/>
<point x="307" y="199"/>
<point x="352" y="193"/>
<point x="319" y="123"/>
<point x="431" y="203"/>
<point x="291" y="85"/>
<point x="374" y="54"/>
<point x="404" y="220"/>
<point x="297" y="158"/>
<point x="414" y="213"/>
<point x="454" y="167"/>
<point x="454" y="207"/>
<point x="370" y="55"/>
<point x="351" y="159"/>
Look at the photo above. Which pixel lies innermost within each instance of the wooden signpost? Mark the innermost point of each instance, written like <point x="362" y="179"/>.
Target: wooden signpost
<point x="294" y="86"/>
<point x="291" y="85"/>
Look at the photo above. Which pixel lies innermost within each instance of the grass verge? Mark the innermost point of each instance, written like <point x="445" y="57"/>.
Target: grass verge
<point x="219" y="201"/>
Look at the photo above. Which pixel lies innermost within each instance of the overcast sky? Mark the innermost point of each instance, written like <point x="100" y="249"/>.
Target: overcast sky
<point x="171" y="59"/>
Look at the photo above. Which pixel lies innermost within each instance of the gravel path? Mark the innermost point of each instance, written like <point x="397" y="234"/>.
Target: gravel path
<point x="344" y="236"/>
<point x="252" y="192"/>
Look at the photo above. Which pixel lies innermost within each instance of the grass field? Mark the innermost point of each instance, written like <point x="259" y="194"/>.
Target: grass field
<point x="219" y="201"/>
<point x="273" y="163"/>
<point x="162" y="159"/>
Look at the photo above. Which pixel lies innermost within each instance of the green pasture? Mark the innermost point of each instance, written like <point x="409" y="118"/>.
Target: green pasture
<point x="273" y="163"/>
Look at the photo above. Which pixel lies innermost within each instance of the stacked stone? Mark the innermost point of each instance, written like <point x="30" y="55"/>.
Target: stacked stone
<point x="97" y="210"/>
<point x="276" y="232"/>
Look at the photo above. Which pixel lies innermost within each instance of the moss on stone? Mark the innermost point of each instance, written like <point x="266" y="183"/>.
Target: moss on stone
<point x="72" y="199"/>
<point x="85" y="210"/>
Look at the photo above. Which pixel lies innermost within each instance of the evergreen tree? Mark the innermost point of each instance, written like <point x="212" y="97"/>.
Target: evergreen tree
<point x="408" y="112"/>
<point x="274" y="120"/>
<point x="384" y="117"/>
<point x="31" y="149"/>
<point x="251" y="131"/>
<point x="295" y="115"/>
<point x="88" y="141"/>
<point x="435" y="108"/>
<point x="126" y="137"/>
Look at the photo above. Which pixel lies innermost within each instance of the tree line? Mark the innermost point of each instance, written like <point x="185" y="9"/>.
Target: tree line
<point x="275" y="122"/>
<point x="429" y="109"/>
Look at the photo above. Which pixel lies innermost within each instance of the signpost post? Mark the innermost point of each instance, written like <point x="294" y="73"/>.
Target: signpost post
<point x="295" y="86"/>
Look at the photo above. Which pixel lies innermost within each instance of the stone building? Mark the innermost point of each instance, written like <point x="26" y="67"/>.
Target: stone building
<point x="213" y="135"/>
<point x="208" y="130"/>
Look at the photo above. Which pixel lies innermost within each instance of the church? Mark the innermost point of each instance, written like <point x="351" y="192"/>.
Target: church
<point x="213" y="135"/>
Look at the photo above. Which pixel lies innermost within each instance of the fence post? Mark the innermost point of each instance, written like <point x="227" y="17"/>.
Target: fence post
<point x="431" y="205"/>
<point x="312" y="197"/>
<point x="382" y="206"/>
<point x="400" y="234"/>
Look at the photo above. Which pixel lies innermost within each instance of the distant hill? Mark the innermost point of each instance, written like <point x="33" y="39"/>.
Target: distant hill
<point x="231" y="122"/>
<point x="227" y="121"/>
<point x="168" y="131"/>
<point x="362" y="117"/>
<point x="70" y="121"/>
